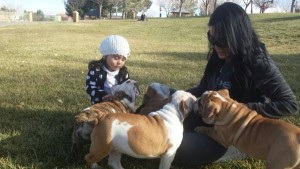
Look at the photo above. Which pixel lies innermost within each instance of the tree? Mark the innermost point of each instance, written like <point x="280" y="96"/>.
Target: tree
<point x="69" y="9"/>
<point x="134" y="5"/>
<point x="142" y="5"/>
<point x="205" y="4"/>
<point x="293" y="6"/>
<point x="76" y="4"/>
<point x="11" y="12"/>
<point x="215" y="4"/>
<point x="180" y="6"/>
<point x="100" y="4"/>
<point x="88" y="8"/>
<point x="113" y="4"/>
<point x="247" y="3"/>
<point x="167" y="5"/>
<point x="190" y="5"/>
<point x="251" y="6"/>
<point x="38" y="16"/>
<point x="263" y="4"/>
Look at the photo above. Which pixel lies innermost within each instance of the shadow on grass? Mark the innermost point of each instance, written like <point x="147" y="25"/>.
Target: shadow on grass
<point x="287" y="18"/>
<point x="37" y="138"/>
<point x="42" y="139"/>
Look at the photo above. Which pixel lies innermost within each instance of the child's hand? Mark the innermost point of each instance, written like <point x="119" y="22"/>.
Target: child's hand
<point x="108" y="97"/>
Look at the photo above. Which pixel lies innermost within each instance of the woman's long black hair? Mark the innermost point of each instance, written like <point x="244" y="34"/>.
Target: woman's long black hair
<point x="232" y="27"/>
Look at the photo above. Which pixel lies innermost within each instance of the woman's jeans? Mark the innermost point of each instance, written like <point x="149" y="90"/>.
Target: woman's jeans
<point x="197" y="148"/>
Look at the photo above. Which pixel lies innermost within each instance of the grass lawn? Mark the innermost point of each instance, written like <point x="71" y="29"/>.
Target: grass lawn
<point x="43" y="68"/>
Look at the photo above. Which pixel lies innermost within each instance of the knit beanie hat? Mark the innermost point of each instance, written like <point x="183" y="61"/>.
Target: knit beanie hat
<point x="115" y="44"/>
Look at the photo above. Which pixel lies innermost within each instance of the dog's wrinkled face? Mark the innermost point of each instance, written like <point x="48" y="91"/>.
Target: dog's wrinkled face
<point x="127" y="90"/>
<point x="184" y="100"/>
<point x="210" y="104"/>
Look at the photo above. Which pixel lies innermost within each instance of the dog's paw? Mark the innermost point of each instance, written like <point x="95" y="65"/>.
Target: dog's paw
<point x="95" y="166"/>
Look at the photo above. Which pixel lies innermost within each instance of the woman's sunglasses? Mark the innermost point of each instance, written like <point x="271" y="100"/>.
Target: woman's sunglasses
<point x="213" y="42"/>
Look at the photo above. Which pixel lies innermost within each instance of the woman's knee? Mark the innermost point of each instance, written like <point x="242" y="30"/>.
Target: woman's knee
<point x="196" y="149"/>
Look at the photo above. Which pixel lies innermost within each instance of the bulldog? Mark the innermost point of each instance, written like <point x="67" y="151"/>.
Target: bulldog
<point x="154" y="99"/>
<point x="124" y="102"/>
<point x="235" y="124"/>
<point x="157" y="135"/>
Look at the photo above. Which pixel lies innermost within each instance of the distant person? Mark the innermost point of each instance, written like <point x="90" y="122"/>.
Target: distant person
<point x="109" y="70"/>
<point x="237" y="61"/>
<point x="143" y="16"/>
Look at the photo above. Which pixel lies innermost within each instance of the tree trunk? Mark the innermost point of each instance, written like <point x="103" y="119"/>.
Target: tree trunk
<point x="100" y="10"/>
<point x="207" y="10"/>
<point x="110" y="13"/>
<point x="251" y="6"/>
<point x="215" y="5"/>
<point x="293" y="6"/>
<point x="180" y="9"/>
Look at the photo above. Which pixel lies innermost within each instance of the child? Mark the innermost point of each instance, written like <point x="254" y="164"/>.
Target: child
<point x="109" y="70"/>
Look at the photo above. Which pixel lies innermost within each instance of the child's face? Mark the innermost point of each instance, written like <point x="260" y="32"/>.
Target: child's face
<point x="115" y="62"/>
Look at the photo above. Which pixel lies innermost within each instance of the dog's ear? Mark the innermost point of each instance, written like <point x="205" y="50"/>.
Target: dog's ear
<point x="165" y="90"/>
<point x="150" y="93"/>
<point x="115" y="89"/>
<point x="224" y="92"/>
<point x="183" y="108"/>
<point x="120" y="94"/>
<point x="209" y="110"/>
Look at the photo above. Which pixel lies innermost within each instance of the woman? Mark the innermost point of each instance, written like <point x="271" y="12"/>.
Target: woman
<point x="239" y="62"/>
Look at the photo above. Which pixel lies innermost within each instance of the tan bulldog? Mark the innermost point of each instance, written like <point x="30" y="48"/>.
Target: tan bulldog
<point x="155" y="98"/>
<point x="157" y="135"/>
<point x="124" y="102"/>
<point x="235" y="124"/>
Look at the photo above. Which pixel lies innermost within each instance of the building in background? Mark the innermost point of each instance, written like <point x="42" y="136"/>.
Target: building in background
<point x="8" y="16"/>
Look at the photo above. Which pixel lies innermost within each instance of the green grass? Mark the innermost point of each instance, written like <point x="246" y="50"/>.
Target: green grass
<point x="43" y="68"/>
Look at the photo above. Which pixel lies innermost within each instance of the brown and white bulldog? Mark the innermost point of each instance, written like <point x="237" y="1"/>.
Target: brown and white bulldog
<point x="155" y="98"/>
<point x="235" y="124"/>
<point x="125" y="93"/>
<point x="157" y="135"/>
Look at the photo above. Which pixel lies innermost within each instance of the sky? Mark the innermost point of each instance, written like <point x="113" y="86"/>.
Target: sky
<point x="52" y="7"/>
<point x="49" y="7"/>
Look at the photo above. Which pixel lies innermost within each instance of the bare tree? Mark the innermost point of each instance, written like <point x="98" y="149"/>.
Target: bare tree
<point x="190" y="5"/>
<point x="100" y="4"/>
<point x="167" y="5"/>
<point x="180" y="6"/>
<point x="113" y="4"/>
<point x="11" y="13"/>
<point x="205" y="4"/>
<point x="293" y="6"/>
<point x="263" y="4"/>
<point x="251" y="6"/>
<point x="247" y="3"/>
<point x="215" y="4"/>
<point x="141" y="5"/>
